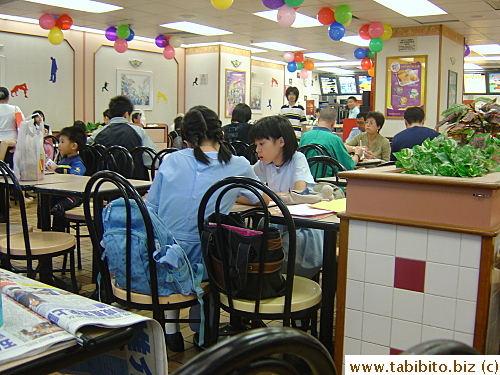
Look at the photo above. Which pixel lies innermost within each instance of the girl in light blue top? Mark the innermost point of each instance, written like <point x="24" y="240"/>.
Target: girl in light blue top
<point x="282" y="168"/>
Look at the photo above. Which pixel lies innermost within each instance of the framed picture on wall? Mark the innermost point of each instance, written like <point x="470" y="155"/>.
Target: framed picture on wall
<point x="256" y="93"/>
<point x="235" y="89"/>
<point x="137" y="85"/>
<point x="452" y="88"/>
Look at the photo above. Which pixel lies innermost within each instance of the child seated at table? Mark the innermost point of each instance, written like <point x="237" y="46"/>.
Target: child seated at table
<point x="71" y="139"/>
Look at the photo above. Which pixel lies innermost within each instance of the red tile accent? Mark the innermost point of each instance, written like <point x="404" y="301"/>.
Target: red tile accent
<point x="395" y="351"/>
<point x="409" y="274"/>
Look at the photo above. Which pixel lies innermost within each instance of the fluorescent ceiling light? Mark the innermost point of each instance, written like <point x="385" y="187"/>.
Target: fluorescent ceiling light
<point x="89" y="30"/>
<point x="144" y="39"/>
<point x="195" y="28"/>
<point x="413" y="8"/>
<point x="322" y="56"/>
<point x="90" y="6"/>
<point x="356" y="40"/>
<point x="471" y="66"/>
<point x="337" y="63"/>
<point x="481" y="58"/>
<point x="486" y="49"/>
<point x="336" y="70"/>
<point x="277" y="46"/>
<point x="17" y="18"/>
<point x="301" y="20"/>
<point x="251" y="49"/>
<point x="268" y="60"/>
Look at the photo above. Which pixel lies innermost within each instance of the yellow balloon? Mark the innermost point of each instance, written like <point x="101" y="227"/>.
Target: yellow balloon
<point x="387" y="32"/>
<point x="222" y="4"/>
<point x="347" y="23"/>
<point x="55" y="35"/>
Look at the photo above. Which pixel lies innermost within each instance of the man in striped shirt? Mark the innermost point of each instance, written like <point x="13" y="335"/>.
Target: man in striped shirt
<point x="294" y="112"/>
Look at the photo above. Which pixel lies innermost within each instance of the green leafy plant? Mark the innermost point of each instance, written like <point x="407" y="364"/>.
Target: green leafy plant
<point x="91" y="126"/>
<point x="475" y="156"/>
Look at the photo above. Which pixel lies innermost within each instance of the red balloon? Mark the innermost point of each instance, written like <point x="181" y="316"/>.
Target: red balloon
<point x="169" y="52"/>
<point x="376" y="29"/>
<point x="366" y="63"/>
<point x="298" y="57"/>
<point x="326" y="16"/>
<point x="363" y="32"/>
<point x="120" y="45"/>
<point x="64" y="22"/>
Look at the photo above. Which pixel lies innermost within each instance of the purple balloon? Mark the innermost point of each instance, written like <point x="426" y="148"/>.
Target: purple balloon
<point x="273" y="4"/>
<point x="161" y="41"/>
<point x="466" y="51"/>
<point x="111" y="33"/>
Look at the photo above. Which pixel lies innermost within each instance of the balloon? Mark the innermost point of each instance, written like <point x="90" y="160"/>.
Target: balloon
<point x="286" y="16"/>
<point x="175" y="41"/>
<point x="343" y="14"/>
<point x="131" y="36"/>
<point x="111" y="33"/>
<point x="360" y="53"/>
<point x="370" y="54"/>
<point x="363" y="32"/>
<point x="309" y="65"/>
<point x="298" y="57"/>
<point x="376" y="29"/>
<point x="121" y="45"/>
<point x="336" y="31"/>
<point x="64" y="22"/>
<point x="466" y="51"/>
<point x="294" y="3"/>
<point x="161" y="41"/>
<point x="123" y="31"/>
<point x="300" y="66"/>
<point x="273" y="4"/>
<point x="304" y="73"/>
<point x="47" y="21"/>
<point x="376" y="45"/>
<point x="221" y="4"/>
<point x="288" y="56"/>
<point x="169" y="52"/>
<point x="326" y="16"/>
<point x="371" y="71"/>
<point x="292" y="66"/>
<point x="387" y="32"/>
<point x="55" y="35"/>
<point x="366" y="63"/>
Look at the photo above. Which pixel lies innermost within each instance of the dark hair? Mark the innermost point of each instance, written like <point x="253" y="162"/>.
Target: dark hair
<point x="414" y="114"/>
<point x="39" y="113"/>
<point x="353" y="98"/>
<point x="378" y="117"/>
<point x="4" y="93"/>
<point x="81" y="125"/>
<point x="273" y="128"/>
<point x="292" y="90"/>
<point x="361" y="114"/>
<point x="119" y="105"/>
<point x="135" y="116"/>
<point x="74" y="134"/>
<point x="199" y="124"/>
<point x="178" y="122"/>
<point x="106" y="113"/>
<point x="241" y="113"/>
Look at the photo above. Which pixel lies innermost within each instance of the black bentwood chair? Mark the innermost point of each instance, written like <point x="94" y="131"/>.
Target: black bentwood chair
<point x="314" y="149"/>
<point x="240" y="147"/>
<point x="302" y="297"/>
<point x="326" y="166"/>
<point x="139" y="154"/>
<point x="155" y="164"/>
<point x="117" y="159"/>
<point x="441" y="347"/>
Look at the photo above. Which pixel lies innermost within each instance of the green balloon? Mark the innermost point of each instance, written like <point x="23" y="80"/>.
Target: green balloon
<point x="294" y="3"/>
<point x="343" y="14"/>
<point x="300" y="66"/>
<point x="371" y="55"/>
<point x="376" y="45"/>
<point x="123" y="32"/>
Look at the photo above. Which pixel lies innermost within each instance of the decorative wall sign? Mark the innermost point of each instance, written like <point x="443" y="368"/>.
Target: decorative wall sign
<point x="22" y="87"/>
<point x="235" y="89"/>
<point x="256" y="95"/>
<point x="162" y="96"/>
<point x="135" y="63"/>
<point x="204" y="79"/>
<point x="105" y="86"/>
<point x="452" y="87"/>
<point x="274" y="82"/>
<point x="53" y="70"/>
<point x="236" y="63"/>
<point x="137" y="86"/>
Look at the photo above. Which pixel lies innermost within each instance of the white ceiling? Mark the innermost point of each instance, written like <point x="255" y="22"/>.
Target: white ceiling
<point x="478" y="21"/>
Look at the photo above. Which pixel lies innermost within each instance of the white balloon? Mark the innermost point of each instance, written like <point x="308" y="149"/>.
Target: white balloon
<point x="175" y="41"/>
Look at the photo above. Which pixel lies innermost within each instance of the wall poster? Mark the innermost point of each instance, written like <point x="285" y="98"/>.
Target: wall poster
<point x="406" y="84"/>
<point x="235" y="89"/>
<point x="256" y="97"/>
<point x="452" y="88"/>
<point x="137" y="86"/>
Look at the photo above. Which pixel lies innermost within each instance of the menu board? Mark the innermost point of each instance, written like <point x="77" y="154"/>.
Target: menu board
<point x="475" y="83"/>
<point x="364" y="83"/>
<point x="347" y="85"/>
<point x="328" y="85"/>
<point x="494" y="83"/>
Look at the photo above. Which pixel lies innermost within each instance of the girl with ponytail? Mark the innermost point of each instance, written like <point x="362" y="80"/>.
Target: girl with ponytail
<point x="182" y="179"/>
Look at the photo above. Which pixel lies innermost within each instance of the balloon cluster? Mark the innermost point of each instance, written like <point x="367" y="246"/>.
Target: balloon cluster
<point x="338" y="20"/>
<point x="121" y="35"/>
<point x="286" y="10"/>
<point x="296" y="62"/>
<point x="55" y="25"/>
<point x="466" y="50"/>
<point x="376" y="33"/>
<point x="168" y="43"/>
<point x="222" y="4"/>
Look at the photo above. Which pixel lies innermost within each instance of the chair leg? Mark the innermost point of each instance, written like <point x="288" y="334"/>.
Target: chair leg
<point x="74" y="283"/>
<point x="65" y="259"/>
<point x="78" y="248"/>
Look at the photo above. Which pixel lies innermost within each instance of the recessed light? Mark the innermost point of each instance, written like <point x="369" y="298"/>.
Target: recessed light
<point x="336" y="70"/>
<point x="195" y="28"/>
<point x="356" y="40"/>
<point x="486" y="49"/>
<point x="322" y="56"/>
<point x="413" y="8"/>
<point x="337" y="63"/>
<point x="17" y="18"/>
<point x="277" y="46"/>
<point x="301" y="20"/>
<point x="251" y="49"/>
<point x="90" y="6"/>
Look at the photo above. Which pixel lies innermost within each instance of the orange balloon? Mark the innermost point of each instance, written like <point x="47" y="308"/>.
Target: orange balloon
<point x="371" y="71"/>
<point x="309" y="65"/>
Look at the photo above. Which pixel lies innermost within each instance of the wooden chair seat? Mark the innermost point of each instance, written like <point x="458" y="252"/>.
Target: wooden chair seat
<point x="145" y="299"/>
<point x="305" y="294"/>
<point x="42" y="243"/>
<point x="14" y="229"/>
<point x="75" y="214"/>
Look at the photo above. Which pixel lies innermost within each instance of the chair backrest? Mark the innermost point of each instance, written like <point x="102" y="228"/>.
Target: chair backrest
<point x="256" y="351"/>
<point x="314" y="150"/>
<point x="10" y="183"/>
<point x="229" y="147"/>
<point x="328" y="167"/>
<point x="240" y="147"/>
<point x="216" y="193"/>
<point x="117" y="159"/>
<point x="50" y="145"/>
<point x="441" y="347"/>
<point x="251" y="154"/>
<point x="141" y="154"/>
<point x="155" y="164"/>
<point x="90" y="157"/>
<point x="99" y="148"/>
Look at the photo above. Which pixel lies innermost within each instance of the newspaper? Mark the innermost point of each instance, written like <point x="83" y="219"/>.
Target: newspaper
<point x="65" y="313"/>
